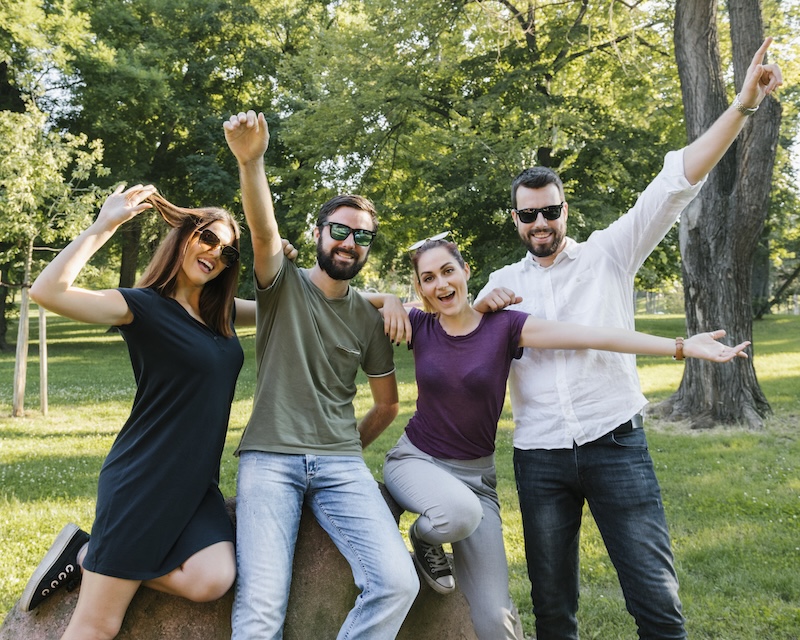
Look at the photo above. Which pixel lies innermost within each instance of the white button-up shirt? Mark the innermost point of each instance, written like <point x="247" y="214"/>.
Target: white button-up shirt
<point x="561" y="396"/>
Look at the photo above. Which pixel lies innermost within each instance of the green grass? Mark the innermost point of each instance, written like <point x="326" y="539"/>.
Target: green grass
<point x="732" y="496"/>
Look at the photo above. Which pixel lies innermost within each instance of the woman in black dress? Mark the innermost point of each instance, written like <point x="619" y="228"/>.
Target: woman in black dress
<point x="160" y="518"/>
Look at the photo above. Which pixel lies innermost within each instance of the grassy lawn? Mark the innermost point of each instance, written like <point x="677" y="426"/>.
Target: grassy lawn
<point x="732" y="496"/>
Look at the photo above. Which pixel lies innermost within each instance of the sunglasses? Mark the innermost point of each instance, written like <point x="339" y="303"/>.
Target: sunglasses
<point x="228" y="255"/>
<point x="553" y="212"/>
<point x="419" y="243"/>
<point x="339" y="232"/>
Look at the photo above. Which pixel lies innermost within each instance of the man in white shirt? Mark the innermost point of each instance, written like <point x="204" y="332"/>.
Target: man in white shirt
<point x="578" y="434"/>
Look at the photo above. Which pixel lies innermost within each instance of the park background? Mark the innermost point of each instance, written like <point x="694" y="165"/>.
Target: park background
<point x="732" y="495"/>
<point x="430" y="109"/>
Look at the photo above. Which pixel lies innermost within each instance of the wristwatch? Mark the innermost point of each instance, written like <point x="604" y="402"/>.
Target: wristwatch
<point x="745" y="111"/>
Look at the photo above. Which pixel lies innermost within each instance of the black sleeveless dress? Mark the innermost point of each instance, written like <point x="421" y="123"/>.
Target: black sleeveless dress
<point x="158" y="499"/>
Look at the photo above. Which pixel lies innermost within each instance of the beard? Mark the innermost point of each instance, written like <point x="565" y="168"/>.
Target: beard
<point x="543" y="250"/>
<point x="338" y="271"/>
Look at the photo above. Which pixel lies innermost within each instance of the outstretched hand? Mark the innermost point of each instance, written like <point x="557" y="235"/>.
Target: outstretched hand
<point x="124" y="204"/>
<point x="247" y="135"/>
<point x="706" y="347"/>
<point x="496" y="299"/>
<point x="761" y="79"/>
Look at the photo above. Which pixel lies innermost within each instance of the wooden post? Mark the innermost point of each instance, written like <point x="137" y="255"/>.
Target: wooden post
<point x="43" y="360"/>
<point x="21" y="362"/>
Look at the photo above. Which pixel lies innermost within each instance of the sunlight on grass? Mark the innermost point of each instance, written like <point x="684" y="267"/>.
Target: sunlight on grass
<point x="732" y="497"/>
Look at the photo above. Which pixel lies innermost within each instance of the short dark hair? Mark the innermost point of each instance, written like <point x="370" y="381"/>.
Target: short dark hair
<point x="535" y="178"/>
<point x="347" y="200"/>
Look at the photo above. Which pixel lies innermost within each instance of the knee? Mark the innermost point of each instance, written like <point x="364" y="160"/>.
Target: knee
<point x="402" y="586"/>
<point x="460" y="521"/>
<point x="213" y="585"/>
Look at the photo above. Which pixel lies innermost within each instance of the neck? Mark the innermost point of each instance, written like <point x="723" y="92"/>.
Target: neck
<point x="330" y="288"/>
<point x="462" y="323"/>
<point x="189" y="298"/>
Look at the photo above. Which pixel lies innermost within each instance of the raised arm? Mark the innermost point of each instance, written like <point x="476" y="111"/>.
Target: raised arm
<point x="247" y="136"/>
<point x="703" y="154"/>
<point x="54" y="289"/>
<point x="546" y="334"/>
<point x="246" y="309"/>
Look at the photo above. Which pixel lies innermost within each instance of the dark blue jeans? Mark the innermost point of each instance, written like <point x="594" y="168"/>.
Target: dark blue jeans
<point x="615" y="475"/>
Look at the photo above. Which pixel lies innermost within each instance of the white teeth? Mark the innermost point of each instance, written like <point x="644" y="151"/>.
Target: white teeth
<point x="206" y="263"/>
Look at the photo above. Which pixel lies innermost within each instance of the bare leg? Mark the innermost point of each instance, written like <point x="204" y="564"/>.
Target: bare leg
<point x="207" y="575"/>
<point x="102" y="604"/>
<point x="103" y="600"/>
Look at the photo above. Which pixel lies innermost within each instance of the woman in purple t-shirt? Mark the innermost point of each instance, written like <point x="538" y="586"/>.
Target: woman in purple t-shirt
<point x="443" y="465"/>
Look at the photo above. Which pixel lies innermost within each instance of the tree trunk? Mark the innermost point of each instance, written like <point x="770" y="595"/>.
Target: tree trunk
<point x="43" y="402"/>
<point x="762" y="272"/>
<point x="21" y="362"/>
<point x="4" y="291"/>
<point x="720" y="229"/>
<point x="131" y="234"/>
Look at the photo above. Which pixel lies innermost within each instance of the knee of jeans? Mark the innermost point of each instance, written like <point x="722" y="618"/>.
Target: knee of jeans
<point x="465" y="526"/>
<point x="403" y="584"/>
<point x="458" y="521"/>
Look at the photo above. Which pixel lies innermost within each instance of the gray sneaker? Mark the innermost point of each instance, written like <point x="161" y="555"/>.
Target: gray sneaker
<point x="59" y="568"/>
<point x="432" y="563"/>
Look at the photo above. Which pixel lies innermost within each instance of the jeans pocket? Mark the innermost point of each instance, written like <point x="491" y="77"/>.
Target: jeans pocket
<point x="634" y="439"/>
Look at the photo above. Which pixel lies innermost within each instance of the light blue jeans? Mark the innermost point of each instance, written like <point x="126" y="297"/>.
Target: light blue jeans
<point x="457" y="502"/>
<point x="346" y="501"/>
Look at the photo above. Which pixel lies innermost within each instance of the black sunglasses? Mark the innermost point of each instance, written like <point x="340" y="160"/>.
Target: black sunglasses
<point x="553" y="212"/>
<point x="228" y="255"/>
<point x="339" y="232"/>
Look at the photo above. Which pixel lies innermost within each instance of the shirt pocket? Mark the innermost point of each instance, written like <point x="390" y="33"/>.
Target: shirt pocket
<point x="345" y="361"/>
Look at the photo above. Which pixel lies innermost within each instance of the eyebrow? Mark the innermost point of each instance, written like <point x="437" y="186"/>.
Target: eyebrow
<point x="449" y="263"/>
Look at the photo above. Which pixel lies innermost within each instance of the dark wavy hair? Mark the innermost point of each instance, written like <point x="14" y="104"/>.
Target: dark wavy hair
<point x="535" y="178"/>
<point x="161" y="274"/>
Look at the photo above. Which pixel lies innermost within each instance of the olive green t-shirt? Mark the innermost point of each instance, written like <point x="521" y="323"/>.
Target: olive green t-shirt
<point x="308" y="351"/>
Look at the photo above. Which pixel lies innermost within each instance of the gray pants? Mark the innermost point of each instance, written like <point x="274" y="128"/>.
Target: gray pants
<point x="457" y="502"/>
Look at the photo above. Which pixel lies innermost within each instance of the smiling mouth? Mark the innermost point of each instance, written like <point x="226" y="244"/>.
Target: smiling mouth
<point x="207" y="266"/>
<point x="447" y="297"/>
<point x="346" y="254"/>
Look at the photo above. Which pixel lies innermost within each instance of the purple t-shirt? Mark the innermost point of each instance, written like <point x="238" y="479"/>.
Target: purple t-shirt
<point x="461" y="383"/>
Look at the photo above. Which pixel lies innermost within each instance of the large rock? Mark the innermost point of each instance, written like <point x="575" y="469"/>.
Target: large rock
<point x="321" y="595"/>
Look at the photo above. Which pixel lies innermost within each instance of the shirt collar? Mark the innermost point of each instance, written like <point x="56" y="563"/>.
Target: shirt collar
<point x="570" y="250"/>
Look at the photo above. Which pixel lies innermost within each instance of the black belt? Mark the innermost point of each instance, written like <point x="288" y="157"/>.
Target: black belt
<point x="630" y="425"/>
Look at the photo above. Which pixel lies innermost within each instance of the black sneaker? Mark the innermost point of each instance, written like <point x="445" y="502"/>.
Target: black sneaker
<point x="58" y="569"/>
<point x="432" y="563"/>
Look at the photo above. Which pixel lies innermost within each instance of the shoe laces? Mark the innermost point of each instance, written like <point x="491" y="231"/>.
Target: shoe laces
<point x="436" y="559"/>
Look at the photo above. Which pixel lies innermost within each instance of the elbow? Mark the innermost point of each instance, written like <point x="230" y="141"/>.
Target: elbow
<point x="388" y="411"/>
<point x="42" y="294"/>
<point x="36" y="294"/>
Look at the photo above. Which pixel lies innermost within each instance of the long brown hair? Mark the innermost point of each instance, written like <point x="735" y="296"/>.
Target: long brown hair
<point x="451" y="247"/>
<point x="161" y="274"/>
